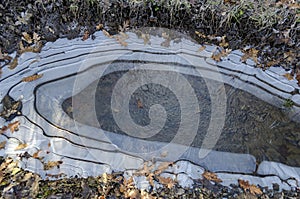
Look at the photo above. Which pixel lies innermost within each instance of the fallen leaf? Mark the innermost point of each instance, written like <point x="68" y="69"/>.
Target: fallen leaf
<point x="216" y="57"/>
<point x="250" y="53"/>
<point x="288" y="76"/>
<point x="132" y="193"/>
<point x="36" y="154"/>
<point x="244" y="184"/>
<point x="13" y="64"/>
<point x="168" y="182"/>
<point x="4" y="56"/>
<point x="36" y="37"/>
<point x="3" y="129"/>
<point x="199" y="34"/>
<point x="125" y="26"/>
<point x="106" y="33"/>
<point x="223" y="42"/>
<point x="32" y="78"/>
<point x="298" y="77"/>
<point x="211" y="176"/>
<point x="146" y="38"/>
<point x="49" y="144"/>
<point x="15" y="171"/>
<point x="201" y="48"/>
<point x="49" y="165"/>
<point x="162" y="167"/>
<point x="139" y="103"/>
<point x="2" y="144"/>
<point x="21" y="146"/>
<point x="255" y="190"/>
<point x="26" y="37"/>
<point x="13" y="126"/>
<point x="99" y="26"/>
<point x="86" y="35"/>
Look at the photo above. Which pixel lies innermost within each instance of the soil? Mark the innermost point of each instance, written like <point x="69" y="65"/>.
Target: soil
<point x="271" y="27"/>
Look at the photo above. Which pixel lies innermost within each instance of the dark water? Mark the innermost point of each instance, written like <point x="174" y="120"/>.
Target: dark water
<point x="251" y="125"/>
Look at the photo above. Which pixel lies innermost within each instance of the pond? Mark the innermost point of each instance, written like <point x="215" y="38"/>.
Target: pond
<point x="115" y="102"/>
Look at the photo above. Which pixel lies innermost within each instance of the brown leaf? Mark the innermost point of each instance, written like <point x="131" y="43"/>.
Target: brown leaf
<point x="211" y="176"/>
<point x="99" y="26"/>
<point x="162" y="167"/>
<point x="146" y="38"/>
<point x="36" y="154"/>
<point x="139" y="103"/>
<point x="4" y="56"/>
<point x="288" y="76"/>
<point x="199" y="34"/>
<point x="36" y="37"/>
<point x="26" y="37"/>
<point x="86" y="35"/>
<point x="2" y="144"/>
<point x="13" y="64"/>
<point x="168" y="182"/>
<point x="32" y="78"/>
<point x="216" y="57"/>
<point x="201" y="48"/>
<point x="298" y="77"/>
<point x="244" y="184"/>
<point x="250" y="53"/>
<point x="223" y="42"/>
<point x="13" y="126"/>
<point x="125" y="26"/>
<point x="3" y="129"/>
<point x="255" y="190"/>
<point x="21" y="146"/>
<point x="49" y="165"/>
<point x="106" y="33"/>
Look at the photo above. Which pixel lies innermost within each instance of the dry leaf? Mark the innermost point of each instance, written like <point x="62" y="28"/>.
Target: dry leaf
<point x="216" y="57"/>
<point x="125" y="26"/>
<point x="211" y="176"/>
<point x="36" y="37"/>
<point x="13" y="64"/>
<point x="298" y="77"/>
<point x="288" y="76"/>
<point x="21" y="146"/>
<point x="49" y="144"/>
<point x="199" y="34"/>
<point x="162" y="167"/>
<point x="201" y="48"/>
<point x="250" y="53"/>
<point x="26" y="37"/>
<point x="49" y="165"/>
<point x="4" y="56"/>
<point x="14" y="126"/>
<point x="244" y="184"/>
<point x="223" y="42"/>
<point x="86" y="35"/>
<point x="32" y="78"/>
<point x="132" y="193"/>
<point x="106" y="33"/>
<point x="3" y="129"/>
<point x="255" y="190"/>
<point x="146" y="38"/>
<point x="2" y="144"/>
<point x="168" y="182"/>
<point x="36" y="154"/>
<point x="139" y="103"/>
<point x="99" y="26"/>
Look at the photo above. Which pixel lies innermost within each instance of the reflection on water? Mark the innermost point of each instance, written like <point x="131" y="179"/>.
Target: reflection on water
<point x="251" y="126"/>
